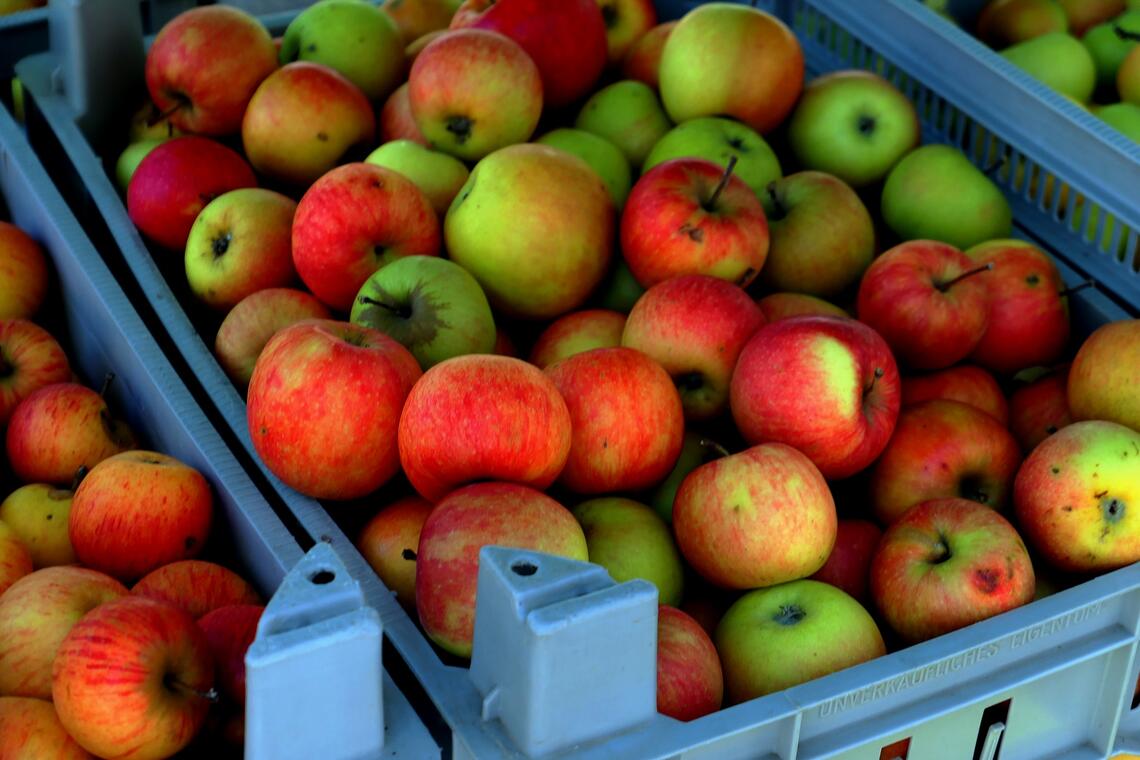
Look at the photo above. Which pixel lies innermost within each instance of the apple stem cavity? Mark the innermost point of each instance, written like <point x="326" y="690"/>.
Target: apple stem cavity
<point x="221" y="244"/>
<point x="941" y="551"/>
<point x="943" y="287"/>
<point x="865" y="125"/>
<point x="1077" y="288"/>
<point x="710" y="205"/>
<point x="879" y="372"/>
<point x="403" y="311"/>
<point x="210" y="695"/>
<point x="180" y="102"/>
<point x="789" y="614"/>
<point x="460" y="126"/>
<point x="711" y="446"/>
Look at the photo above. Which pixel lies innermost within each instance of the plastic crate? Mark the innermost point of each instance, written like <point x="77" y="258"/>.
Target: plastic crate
<point x="1066" y="663"/>
<point x="320" y="639"/>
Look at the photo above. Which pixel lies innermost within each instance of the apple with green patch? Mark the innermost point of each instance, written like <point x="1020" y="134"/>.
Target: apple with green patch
<point x="438" y="175"/>
<point x="718" y="139"/>
<point x="37" y="513"/>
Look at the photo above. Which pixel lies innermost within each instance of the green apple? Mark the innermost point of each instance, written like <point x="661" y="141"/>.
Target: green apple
<point x="628" y="114"/>
<point x="439" y="175"/>
<point x="696" y="450"/>
<point x="1125" y="117"/>
<point x="631" y="541"/>
<point x="620" y="290"/>
<point x="935" y="193"/>
<point x="1059" y="60"/>
<point x="602" y="155"/>
<point x="717" y="139"/>
<point x="432" y="306"/>
<point x="357" y="39"/>
<point x="1109" y="48"/>
<point x="130" y="158"/>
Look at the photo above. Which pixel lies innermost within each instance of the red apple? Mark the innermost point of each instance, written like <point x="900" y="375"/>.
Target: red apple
<point x="966" y="383"/>
<point x="777" y="306"/>
<point x="396" y="120"/>
<point x="30" y="358"/>
<point x="1039" y="409"/>
<point x="196" y="586"/>
<point x="23" y="273"/>
<point x="643" y="60"/>
<point x="689" y="679"/>
<point x="826" y="385"/>
<point x="626" y="22"/>
<point x="576" y="332"/>
<point x="29" y="728"/>
<point x="324" y="403"/>
<point x="15" y="558"/>
<point x="230" y="630"/>
<point x="848" y="567"/>
<point x="389" y="542"/>
<point x="1105" y="374"/>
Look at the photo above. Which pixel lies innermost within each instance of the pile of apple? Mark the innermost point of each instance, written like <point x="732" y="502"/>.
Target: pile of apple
<point x="114" y="641"/>
<point x="699" y="406"/>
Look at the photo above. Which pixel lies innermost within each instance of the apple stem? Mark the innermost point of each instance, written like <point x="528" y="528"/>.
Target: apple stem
<point x="210" y="695"/>
<point x="879" y="372"/>
<point x="947" y="285"/>
<point x="1124" y="34"/>
<point x="778" y="210"/>
<point x="722" y="183"/>
<point x="165" y="114"/>
<point x="400" y="311"/>
<point x="1077" y="288"/>
<point x="107" y="380"/>
<point x="709" y="444"/>
<point x="80" y="473"/>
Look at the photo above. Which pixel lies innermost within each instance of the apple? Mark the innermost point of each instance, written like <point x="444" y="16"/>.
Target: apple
<point x="133" y="678"/>
<point x="466" y="520"/>
<point x="948" y="563"/>
<point x="535" y="226"/>
<point x="504" y="346"/>
<point x="848" y="567"/>
<point x="137" y="511"/>
<point x="822" y="236"/>
<point x="944" y="449"/>
<point x="643" y="60"/>
<point x="36" y="612"/>
<point x="14" y="6"/>
<point x="229" y="631"/>
<point x="629" y="115"/>
<point x="602" y="155"/>
<point x="690" y="682"/>
<point x="717" y="140"/>
<point x="23" y="273"/>
<point x="1082" y="15"/>
<point x="690" y="216"/>
<point x="1059" y="61"/>
<point x="30" y="728"/>
<point x="37" y="514"/>
<point x="1040" y="408"/>
<point x="15" y="558"/>
<point x="630" y="541"/>
<point x="389" y="542"/>
<point x="1109" y="49"/>
<point x="705" y="53"/>
<point x="707" y="603"/>
<point x="240" y="243"/>
<point x="963" y="382"/>
<point x="927" y="300"/>
<point x="775" y="638"/>
<point x="323" y="407"/>
<point x="1006" y="22"/>
<point x="483" y="417"/>
<point x="777" y="306"/>
<point x="575" y="333"/>
<point x="30" y="358"/>
<point x="253" y="321"/>
<point x="354" y="220"/>
<point x="148" y="124"/>
<point x="694" y="326"/>
<point x="827" y="385"/>
<point x="359" y="40"/>
<point x="473" y="91"/>
<point x="196" y="586"/>
<point x="415" y="18"/>
<point x="416" y="46"/>
<point x="438" y="175"/>
<point x="853" y="124"/>
<point x="757" y="518"/>
<point x="1124" y="117"/>
<point x="1105" y="373"/>
<point x="396" y="120"/>
<point x="130" y="159"/>
<point x="1075" y="494"/>
<point x="696" y="449"/>
<point x="626" y="21"/>
<point x="204" y="65"/>
<point x="619" y="290"/>
<point x="176" y="180"/>
<point x="431" y="306"/>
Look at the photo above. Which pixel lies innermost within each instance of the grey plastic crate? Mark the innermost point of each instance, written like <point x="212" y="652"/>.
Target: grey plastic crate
<point x="321" y="639"/>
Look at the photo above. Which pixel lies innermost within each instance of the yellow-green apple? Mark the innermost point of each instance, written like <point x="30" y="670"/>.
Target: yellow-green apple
<point x="691" y="216"/>
<point x="303" y="120"/>
<point x="389" y="542"/>
<point x="204" y="66"/>
<point x="853" y="124"/>
<point x="483" y="417"/>
<point x="717" y="139"/>
<point x="23" y="273"/>
<point x="396" y="121"/>
<point x="566" y="40"/>
<point x="324" y="404"/>
<point x="756" y="518"/>
<point x="630" y="541"/>
<point x="643" y="61"/>
<point x="133" y="679"/>
<point x="935" y="193"/>
<point x="466" y="520"/>
<point x="229" y="631"/>
<point x="1109" y="49"/>
<point x="473" y="91"/>
<point x="944" y="449"/>
<point x="690" y="682"/>
<point x="29" y="728"/>
<point x="848" y="567"/>
<point x="15" y="558"/>
<point x="1058" y="60"/>
<point x="777" y="306"/>
<point x="137" y="511"/>
<point x="696" y="449"/>
<point x="30" y="358"/>
<point x="354" y="220"/>
<point x="709" y="48"/>
<point x="575" y="333"/>
<point x="841" y="407"/>
<point x="1128" y="78"/>
<point x="431" y="305"/>
<point x="626" y="22"/>
<point x="962" y="382"/>
<point x="619" y="290"/>
<point x="535" y="225"/>
<point x="602" y="155"/>
<point x="240" y="243"/>
<point x="626" y="420"/>
<point x="37" y="513"/>
<point x="1006" y="22"/>
<point x="775" y="638"/>
<point x="197" y="586"/>
<point x="36" y="612"/>
<point x="175" y="181"/>
<point x="356" y="39"/>
<point x="1040" y="408"/>
<point x="253" y="321"/>
<point x="1082" y="15"/>
<point x="437" y="174"/>
<point x="1105" y="374"/>
<point x="822" y="236"/>
<point x="928" y="301"/>
<point x="694" y="326"/>
<point x="415" y="18"/>
<point x="130" y="159"/>
<point x="948" y="563"/>
<point x="629" y="115"/>
<point x="60" y="428"/>
<point x="1124" y="117"/>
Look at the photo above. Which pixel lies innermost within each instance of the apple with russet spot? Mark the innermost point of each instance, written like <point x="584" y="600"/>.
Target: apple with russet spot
<point x="37" y="513"/>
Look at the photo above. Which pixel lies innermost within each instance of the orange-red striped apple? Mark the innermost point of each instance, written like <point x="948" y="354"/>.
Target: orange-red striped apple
<point x="196" y="586"/>
<point x="963" y="382"/>
<point x="575" y="333"/>
<point x="23" y="273"/>
<point x="30" y="358"/>
<point x="30" y="728"/>
<point x="690" y="682"/>
<point x="1105" y="374"/>
<point x="389" y="542"/>
<point x="229" y="632"/>
<point x="15" y="557"/>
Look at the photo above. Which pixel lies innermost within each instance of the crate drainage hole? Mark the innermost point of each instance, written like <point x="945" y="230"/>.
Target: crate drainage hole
<point x="322" y="577"/>
<point x="522" y="567"/>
